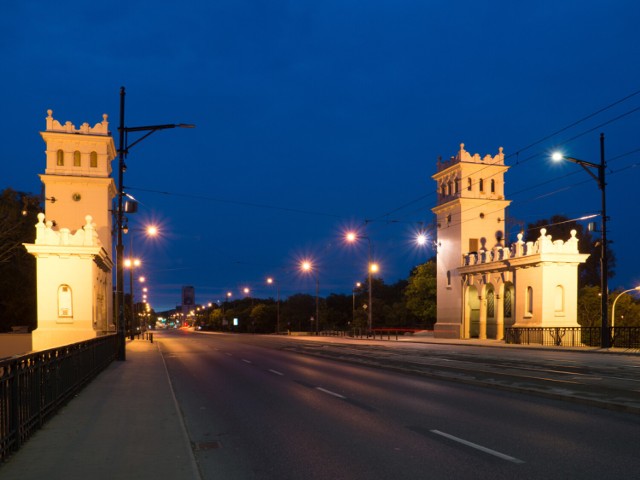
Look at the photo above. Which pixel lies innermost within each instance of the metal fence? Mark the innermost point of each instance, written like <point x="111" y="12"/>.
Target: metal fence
<point x="34" y="386"/>
<point x="621" y="337"/>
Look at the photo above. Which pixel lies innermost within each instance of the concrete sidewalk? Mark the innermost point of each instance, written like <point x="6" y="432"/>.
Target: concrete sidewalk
<point x="124" y="425"/>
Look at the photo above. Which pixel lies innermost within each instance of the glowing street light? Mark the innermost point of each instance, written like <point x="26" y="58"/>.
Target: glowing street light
<point x="307" y="267"/>
<point x="421" y="239"/>
<point x="605" y="338"/>
<point x="131" y="263"/>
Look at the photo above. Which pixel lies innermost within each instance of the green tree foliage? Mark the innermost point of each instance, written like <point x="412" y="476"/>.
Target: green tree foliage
<point x="589" y="306"/>
<point x="559" y="227"/>
<point x="297" y="311"/>
<point x="263" y="318"/>
<point x="339" y="311"/>
<point x="420" y="294"/>
<point x="627" y="309"/>
<point x="17" y="267"/>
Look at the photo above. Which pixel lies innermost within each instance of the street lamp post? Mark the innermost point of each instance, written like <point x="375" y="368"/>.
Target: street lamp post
<point x="123" y="150"/>
<point x="353" y="309"/>
<point x="613" y="308"/>
<point x="271" y="281"/>
<point x="131" y="263"/>
<point x="308" y="267"/>
<point x="352" y="237"/>
<point x="605" y="338"/>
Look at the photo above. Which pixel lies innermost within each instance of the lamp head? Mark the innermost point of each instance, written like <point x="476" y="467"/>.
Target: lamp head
<point x="557" y="156"/>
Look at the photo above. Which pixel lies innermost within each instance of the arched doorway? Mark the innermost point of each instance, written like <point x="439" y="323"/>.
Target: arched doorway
<point x="471" y="313"/>
<point x="492" y="326"/>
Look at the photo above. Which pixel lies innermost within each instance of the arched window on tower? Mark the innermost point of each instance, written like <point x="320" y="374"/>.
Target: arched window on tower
<point x="507" y="302"/>
<point x="481" y="185"/>
<point x="93" y="160"/>
<point x="559" y="299"/>
<point x="493" y="186"/>
<point x="456" y="185"/>
<point x="77" y="159"/>
<point x="60" y="158"/>
<point x="469" y="183"/>
<point x="529" y="299"/>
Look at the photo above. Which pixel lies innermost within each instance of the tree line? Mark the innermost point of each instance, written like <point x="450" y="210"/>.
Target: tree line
<point x="408" y="303"/>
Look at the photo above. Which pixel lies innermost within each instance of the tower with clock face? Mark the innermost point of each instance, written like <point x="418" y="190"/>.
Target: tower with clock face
<point x="73" y="245"/>
<point x="77" y="179"/>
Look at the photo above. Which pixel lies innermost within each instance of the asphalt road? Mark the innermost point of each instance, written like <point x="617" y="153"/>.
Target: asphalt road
<point x="258" y="407"/>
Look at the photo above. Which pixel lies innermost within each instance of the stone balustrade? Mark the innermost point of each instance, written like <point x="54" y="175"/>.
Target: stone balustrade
<point x="544" y="244"/>
<point x="54" y="125"/>
<point x="85" y="236"/>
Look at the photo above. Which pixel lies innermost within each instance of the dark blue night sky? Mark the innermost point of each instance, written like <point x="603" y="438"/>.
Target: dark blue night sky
<point x="313" y="117"/>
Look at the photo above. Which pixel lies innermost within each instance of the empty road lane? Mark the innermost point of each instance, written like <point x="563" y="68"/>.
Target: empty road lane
<point x="254" y="409"/>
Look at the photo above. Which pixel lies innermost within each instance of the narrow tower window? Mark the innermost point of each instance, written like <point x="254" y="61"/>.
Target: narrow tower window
<point x="493" y="186"/>
<point x="469" y="184"/>
<point x="481" y="185"/>
<point x="77" y="162"/>
<point x="559" y="300"/>
<point x="529" y="301"/>
<point x="60" y="158"/>
<point x="93" y="160"/>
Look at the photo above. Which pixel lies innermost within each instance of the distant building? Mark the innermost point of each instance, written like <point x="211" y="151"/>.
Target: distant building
<point x="188" y="300"/>
<point x="483" y="284"/>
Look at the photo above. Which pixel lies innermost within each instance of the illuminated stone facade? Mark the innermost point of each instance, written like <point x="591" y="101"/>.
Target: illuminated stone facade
<point x="484" y="285"/>
<point x="74" y="279"/>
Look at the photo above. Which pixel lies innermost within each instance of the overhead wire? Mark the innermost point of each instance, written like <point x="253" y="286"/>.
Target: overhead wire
<point x="543" y="139"/>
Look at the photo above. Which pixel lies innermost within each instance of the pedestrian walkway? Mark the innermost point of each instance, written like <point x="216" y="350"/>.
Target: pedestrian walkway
<point x="124" y="425"/>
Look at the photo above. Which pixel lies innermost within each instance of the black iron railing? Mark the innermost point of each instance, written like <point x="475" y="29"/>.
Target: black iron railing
<point x="621" y="337"/>
<point x="34" y="386"/>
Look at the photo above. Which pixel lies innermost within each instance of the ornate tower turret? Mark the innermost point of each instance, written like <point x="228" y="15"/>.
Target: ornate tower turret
<point x="470" y="218"/>
<point x="74" y="269"/>
<point x="77" y="178"/>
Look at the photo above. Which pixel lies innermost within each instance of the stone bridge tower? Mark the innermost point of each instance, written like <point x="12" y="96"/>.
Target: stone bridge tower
<point x="470" y="217"/>
<point x="74" y="269"/>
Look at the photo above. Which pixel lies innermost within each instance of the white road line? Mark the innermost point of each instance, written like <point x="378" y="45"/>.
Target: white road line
<point x="329" y="392"/>
<point x="246" y="361"/>
<point x="478" y="447"/>
<point x="277" y="372"/>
